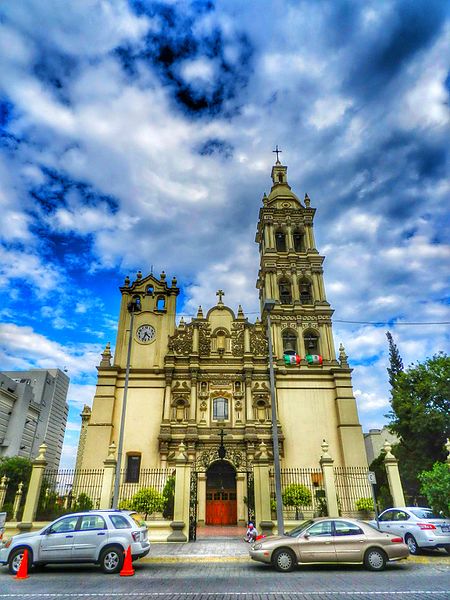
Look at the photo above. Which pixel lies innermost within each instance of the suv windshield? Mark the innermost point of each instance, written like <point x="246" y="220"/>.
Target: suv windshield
<point x="425" y="513"/>
<point x="297" y="531"/>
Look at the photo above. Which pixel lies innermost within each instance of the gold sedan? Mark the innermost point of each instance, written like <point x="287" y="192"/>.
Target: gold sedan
<point x="330" y="541"/>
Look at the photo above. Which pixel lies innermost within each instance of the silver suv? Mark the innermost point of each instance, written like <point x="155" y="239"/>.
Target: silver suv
<point x="96" y="536"/>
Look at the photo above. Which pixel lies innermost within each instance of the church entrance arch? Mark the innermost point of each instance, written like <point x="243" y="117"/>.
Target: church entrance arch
<point x="221" y="498"/>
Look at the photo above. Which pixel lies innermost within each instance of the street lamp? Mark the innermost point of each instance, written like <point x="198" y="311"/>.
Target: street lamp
<point x="267" y="308"/>
<point x="133" y="307"/>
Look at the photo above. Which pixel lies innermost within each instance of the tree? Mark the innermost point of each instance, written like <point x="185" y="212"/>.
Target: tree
<point x="395" y="360"/>
<point x="17" y="469"/>
<point x="436" y="487"/>
<point x="296" y="495"/>
<point x="382" y="491"/>
<point x="420" y="416"/>
<point x="147" y="501"/>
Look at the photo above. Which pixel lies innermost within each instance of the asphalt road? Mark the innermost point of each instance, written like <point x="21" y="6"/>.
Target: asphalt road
<point x="232" y="581"/>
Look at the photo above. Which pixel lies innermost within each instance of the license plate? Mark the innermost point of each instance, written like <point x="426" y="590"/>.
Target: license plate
<point x="445" y="528"/>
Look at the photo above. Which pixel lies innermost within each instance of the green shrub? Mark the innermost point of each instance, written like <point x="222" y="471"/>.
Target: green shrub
<point x="436" y="487"/>
<point x="364" y="504"/>
<point x="169" y="497"/>
<point x="296" y="495"/>
<point x="147" y="501"/>
<point x="125" y="505"/>
<point x="83" y="502"/>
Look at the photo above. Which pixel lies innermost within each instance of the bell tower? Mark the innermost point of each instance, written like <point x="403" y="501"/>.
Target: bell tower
<point x="291" y="272"/>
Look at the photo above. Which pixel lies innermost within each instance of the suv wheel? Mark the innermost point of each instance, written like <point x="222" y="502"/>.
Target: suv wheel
<point x="111" y="559"/>
<point x="412" y="544"/>
<point x="375" y="559"/>
<point x="15" y="559"/>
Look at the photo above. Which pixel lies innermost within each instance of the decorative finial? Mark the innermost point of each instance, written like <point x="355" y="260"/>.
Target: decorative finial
<point x="263" y="453"/>
<point x="127" y="281"/>
<point x="307" y="200"/>
<point x="447" y="446"/>
<point x="3" y="481"/>
<point x="174" y="282"/>
<point x="325" y="445"/>
<point x="181" y="452"/>
<point x="106" y="356"/>
<point x="200" y="313"/>
<point x="240" y="313"/>
<point x="220" y="293"/>
<point x="139" y="275"/>
<point x="162" y="277"/>
<point x="112" y="451"/>
<point x="182" y="323"/>
<point x="387" y="448"/>
<point x="342" y="356"/>
<point x="276" y="151"/>
<point x="42" y="451"/>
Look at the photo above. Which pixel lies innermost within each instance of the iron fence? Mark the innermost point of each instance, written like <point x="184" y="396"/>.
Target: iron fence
<point x="67" y="490"/>
<point x="154" y="480"/>
<point x="302" y="492"/>
<point x="351" y="484"/>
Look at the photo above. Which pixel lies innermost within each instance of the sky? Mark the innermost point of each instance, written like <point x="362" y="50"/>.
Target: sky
<point x="139" y="135"/>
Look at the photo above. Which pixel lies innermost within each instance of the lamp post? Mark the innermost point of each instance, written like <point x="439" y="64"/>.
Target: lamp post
<point x="268" y="306"/>
<point x="133" y="306"/>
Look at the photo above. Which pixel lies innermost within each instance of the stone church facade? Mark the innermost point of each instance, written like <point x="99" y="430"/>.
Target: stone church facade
<point x="187" y="383"/>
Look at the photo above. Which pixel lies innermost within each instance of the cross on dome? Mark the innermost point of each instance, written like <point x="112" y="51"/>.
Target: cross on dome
<point x="277" y="152"/>
<point x="220" y="293"/>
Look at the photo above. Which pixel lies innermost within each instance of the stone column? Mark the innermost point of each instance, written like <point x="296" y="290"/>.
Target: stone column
<point x="180" y="523"/>
<point x="289" y="238"/>
<point x="241" y="512"/>
<point x="195" y="339"/>
<point x="201" y="497"/>
<point x="108" y="477"/>
<point x="17" y="501"/>
<point x="248" y="399"/>
<point x="263" y="513"/>
<point x="3" y="488"/>
<point x="326" y="462"/>
<point x="34" y="489"/>
<point x="193" y="399"/>
<point x="295" y="289"/>
<point x="393" y="475"/>
<point x="167" y="399"/>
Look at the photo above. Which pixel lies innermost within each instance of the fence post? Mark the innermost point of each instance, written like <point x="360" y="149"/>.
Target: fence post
<point x="180" y="523"/>
<point x="393" y="475"/>
<point x="108" y="477"/>
<point x="34" y="489"/>
<point x="326" y="462"/>
<point x="263" y="513"/>
<point x="3" y="488"/>
<point x="17" y="501"/>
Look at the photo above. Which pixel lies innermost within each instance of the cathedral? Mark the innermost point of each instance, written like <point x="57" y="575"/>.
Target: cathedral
<point x="208" y="379"/>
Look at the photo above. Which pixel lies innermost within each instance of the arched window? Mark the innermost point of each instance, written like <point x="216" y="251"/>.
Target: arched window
<point x="220" y="409"/>
<point x="280" y="241"/>
<point x="289" y="340"/>
<point x="311" y="340"/>
<point x="161" y="303"/>
<point x="299" y="241"/>
<point x="133" y="468"/>
<point x="149" y="291"/>
<point x="305" y="291"/>
<point x="280" y="177"/>
<point x="284" y="286"/>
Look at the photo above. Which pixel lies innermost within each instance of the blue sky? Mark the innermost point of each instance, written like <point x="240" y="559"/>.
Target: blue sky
<point x="138" y="134"/>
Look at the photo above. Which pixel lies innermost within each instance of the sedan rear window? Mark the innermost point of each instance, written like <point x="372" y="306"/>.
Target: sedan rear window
<point x="424" y="513"/>
<point x="120" y="522"/>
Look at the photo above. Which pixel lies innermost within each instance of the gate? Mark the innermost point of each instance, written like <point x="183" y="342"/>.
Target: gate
<point x="193" y="503"/>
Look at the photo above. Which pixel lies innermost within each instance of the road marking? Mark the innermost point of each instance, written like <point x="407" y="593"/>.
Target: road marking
<point x="240" y="594"/>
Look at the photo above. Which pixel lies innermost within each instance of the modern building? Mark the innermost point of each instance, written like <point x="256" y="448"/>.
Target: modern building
<point x="33" y="409"/>
<point x="190" y="382"/>
<point x="374" y="442"/>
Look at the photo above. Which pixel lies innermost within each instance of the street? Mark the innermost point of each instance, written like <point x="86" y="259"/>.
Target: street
<point x="240" y="580"/>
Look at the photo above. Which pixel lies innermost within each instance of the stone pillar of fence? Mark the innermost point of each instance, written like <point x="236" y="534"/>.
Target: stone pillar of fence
<point x="240" y="495"/>
<point x="393" y="475"/>
<point x="263" y="513"/>
<point x="17" y="501"/>
<point x="329" y="483"/>
<point x="3" y="488"/>
<point x="108" y="477"/>
<point x="34" y="489"/>
<point x="180" y="523"/>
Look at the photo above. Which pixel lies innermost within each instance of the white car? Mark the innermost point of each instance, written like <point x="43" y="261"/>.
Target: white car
<point x="97" y="536"/>
<point x="419" y="527"/>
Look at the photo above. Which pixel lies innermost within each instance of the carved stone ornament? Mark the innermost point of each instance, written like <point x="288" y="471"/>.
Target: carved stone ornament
<point x="234" y="456"/>
<point x="181" y="387"/>
<point x="181" y="341"/>
<point x="258" y="342"/>
<point x="204" y="342"/>
<point x="237" y="339"/>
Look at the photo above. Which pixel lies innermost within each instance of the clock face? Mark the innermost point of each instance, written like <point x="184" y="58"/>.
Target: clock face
<point x="146" y="334"/>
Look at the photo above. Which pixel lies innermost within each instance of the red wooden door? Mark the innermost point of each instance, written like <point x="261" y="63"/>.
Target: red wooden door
<point x="221" y="508"/>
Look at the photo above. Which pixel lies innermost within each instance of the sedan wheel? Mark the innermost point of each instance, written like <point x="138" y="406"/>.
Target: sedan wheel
<point x="412" y="544"/>
<point x="111" y="560"/>
<point x="375" y="559"/>
<point x="284" y="560"/>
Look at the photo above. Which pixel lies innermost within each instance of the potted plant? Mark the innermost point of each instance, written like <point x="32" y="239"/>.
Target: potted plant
<point x="365" y="507"/>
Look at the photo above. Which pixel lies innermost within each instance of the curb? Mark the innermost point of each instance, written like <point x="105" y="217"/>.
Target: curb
<point x="425" y="560"/>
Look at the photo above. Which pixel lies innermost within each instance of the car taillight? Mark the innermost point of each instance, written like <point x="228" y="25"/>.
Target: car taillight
<point x="397" y="540"/>
<point x="426" y="526"/>
<point x="136" y="535"/>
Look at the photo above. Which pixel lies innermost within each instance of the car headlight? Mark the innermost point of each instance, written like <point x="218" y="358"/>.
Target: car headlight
<point x="6" y="543"/>
<point x="257" y="546"/>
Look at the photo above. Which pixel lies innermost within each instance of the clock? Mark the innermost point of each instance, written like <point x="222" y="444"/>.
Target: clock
<point x="146" y="334"/>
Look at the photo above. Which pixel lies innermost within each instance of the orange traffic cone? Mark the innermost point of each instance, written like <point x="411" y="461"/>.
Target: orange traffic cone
<point x="127" y="569"/>
<point x="22" y="572"/>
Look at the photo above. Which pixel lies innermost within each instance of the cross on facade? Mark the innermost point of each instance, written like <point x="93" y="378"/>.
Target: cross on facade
<point x="277" y="152"/>
<point x="220" y="293"/>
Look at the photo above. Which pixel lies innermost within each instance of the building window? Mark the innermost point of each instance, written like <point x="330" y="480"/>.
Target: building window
<point x="305" y="292"/>
<point x="311" y="342"/>
<point x="220" y="409"/>
<point x="289" y="340"/>
<point x="149" y="290"/>
<point x="161" y="303"/>
<point x="133" y="468"/>
<point x="280" y="241"/>
<point x="299" y="241"/>
<point x="284" y="286"/>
